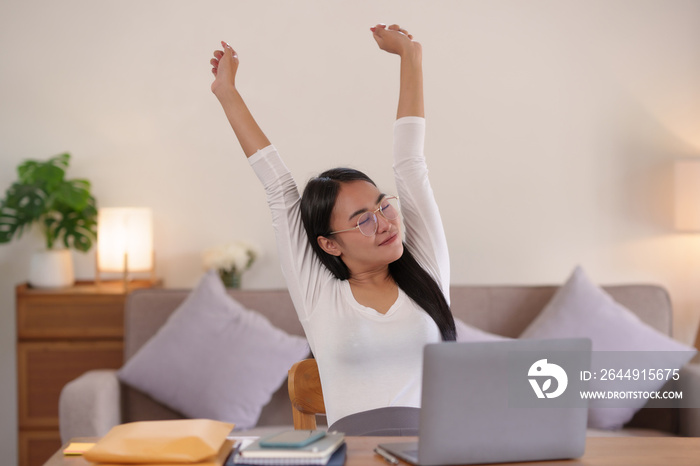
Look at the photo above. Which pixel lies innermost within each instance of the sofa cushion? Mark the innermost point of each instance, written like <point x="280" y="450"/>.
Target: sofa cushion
<point x="214" y="359"/>
<point x="466" y="333"/>
<point x="582" y="309"/>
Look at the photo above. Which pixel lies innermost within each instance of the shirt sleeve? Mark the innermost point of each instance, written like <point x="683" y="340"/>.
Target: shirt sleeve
<point x="303" y="271"/>
<point x="425" y="235"/>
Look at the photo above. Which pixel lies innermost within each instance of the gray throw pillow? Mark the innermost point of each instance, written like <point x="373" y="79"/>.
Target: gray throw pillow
<point x="214" y="359"/>
<point x="582" y="309"/>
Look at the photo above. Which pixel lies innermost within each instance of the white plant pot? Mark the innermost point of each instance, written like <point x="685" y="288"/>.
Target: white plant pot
<point x="51" y="269"/>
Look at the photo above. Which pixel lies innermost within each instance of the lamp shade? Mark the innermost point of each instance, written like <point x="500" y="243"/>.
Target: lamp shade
<point x="687" y="194"/>
<point x="124" y="231"/>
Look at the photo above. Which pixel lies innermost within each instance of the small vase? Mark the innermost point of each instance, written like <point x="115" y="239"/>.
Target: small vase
<point x="51" y="269"/>
<point x="230" y="278"/>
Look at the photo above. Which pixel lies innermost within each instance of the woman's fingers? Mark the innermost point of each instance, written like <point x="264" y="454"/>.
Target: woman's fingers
<point x="219" y="55"/>
<point x="393" y="27"/>
<point x="396" y="27"/>
<point x="226" y="46"/>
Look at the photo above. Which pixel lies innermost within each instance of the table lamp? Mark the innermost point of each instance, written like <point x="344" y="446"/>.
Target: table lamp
<point x="125" y="242"/>
<point x="687" y="200"/>
<point x="687" y="195"/>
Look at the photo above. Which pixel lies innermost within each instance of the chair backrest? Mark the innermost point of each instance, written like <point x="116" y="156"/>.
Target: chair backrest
<point x="304" y="385"/>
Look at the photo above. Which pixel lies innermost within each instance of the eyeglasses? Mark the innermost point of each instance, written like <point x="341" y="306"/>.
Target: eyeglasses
<point x="367" y="222"/>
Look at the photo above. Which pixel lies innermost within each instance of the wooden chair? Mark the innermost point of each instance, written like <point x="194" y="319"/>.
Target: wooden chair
<point x="305" y="394"/>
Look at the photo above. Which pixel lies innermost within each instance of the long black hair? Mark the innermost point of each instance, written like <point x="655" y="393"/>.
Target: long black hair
<point x="317" y="204"/>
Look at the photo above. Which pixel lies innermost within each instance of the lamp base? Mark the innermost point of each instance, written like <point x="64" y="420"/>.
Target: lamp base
<point x="125" y="272"/>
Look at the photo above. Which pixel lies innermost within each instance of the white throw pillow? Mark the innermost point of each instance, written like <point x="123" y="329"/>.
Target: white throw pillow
<point x="214" y="359"/>
<point x="466" y="332"/>
<point x="582" y="309"/>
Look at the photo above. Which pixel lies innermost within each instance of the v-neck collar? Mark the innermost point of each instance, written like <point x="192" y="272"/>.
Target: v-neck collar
<point x="347" y="290"/>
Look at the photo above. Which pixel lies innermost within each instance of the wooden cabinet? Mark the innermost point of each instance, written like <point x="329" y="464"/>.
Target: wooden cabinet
<point x="61" y="334"/>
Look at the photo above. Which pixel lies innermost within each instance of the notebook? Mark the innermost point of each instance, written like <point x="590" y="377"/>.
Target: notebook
<point x="480" y="404"/>
<point x="337" y="458"/>
<point x="319" y="452"/>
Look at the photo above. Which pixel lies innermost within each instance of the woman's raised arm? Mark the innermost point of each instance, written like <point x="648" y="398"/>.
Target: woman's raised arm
<point x="249" y="134"/>
<point x="398" y="41"/>
<point x="425" y="235"/>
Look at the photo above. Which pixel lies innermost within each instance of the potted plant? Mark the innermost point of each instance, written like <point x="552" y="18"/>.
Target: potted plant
<point x="65" y="209"/>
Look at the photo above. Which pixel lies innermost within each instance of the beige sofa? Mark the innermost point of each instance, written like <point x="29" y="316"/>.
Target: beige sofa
<point x="96" y="401"/>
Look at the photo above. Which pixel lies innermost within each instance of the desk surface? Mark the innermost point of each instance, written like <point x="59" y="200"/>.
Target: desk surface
<point x="604" y="451"/>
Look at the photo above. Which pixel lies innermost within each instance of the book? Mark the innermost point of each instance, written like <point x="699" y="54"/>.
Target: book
<point x="336" y="458"/>
<point x="291" y="438"/>
<point x="321" y="448"/>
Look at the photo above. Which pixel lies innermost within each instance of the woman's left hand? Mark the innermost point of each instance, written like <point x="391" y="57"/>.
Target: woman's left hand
<point x="394" y="39"/>
<point x="224" y="67"/>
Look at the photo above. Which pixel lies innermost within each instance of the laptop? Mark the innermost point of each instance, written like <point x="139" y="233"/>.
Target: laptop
<point x="500" y="401"/>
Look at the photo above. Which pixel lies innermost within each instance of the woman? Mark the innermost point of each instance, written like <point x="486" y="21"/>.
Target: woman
<point x="368" y="302"/>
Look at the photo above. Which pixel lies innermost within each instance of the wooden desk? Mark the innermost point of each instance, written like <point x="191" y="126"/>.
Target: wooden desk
<point x="600" y="451"/>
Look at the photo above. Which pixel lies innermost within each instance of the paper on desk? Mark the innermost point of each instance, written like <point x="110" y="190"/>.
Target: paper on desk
<point x="77" y="448"/>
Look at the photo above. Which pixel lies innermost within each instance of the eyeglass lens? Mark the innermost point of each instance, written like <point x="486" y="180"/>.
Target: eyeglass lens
<point x="389" y="209"/>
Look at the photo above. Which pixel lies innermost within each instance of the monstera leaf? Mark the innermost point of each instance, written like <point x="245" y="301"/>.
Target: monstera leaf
<point x="75" y="194"/>
<point x="23" y="205"/>
<point x="76" y="227"/>
<point x="49" y="173"/>
<point x="65" y="208"/>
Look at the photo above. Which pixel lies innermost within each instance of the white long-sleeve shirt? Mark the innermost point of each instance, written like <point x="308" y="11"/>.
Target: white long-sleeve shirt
<point x="366" y="359"/>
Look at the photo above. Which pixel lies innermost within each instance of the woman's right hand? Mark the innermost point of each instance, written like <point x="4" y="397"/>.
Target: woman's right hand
<point x="224" y="67"/>
<point x="394" y="39"/>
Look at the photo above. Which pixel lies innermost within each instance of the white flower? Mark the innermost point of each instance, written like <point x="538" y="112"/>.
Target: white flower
<point x="236" y="256"/>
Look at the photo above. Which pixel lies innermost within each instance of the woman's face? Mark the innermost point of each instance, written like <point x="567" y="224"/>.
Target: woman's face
<point x="360" y="252"/>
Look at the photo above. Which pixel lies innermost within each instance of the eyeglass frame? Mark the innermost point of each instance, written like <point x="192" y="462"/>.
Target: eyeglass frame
<point x="374" y="214"/>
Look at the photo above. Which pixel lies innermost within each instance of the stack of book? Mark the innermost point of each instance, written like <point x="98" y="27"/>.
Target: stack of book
<point x="328" y="450"/>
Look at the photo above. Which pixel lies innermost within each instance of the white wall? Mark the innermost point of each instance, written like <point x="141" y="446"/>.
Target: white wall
<point x="552" y="127"/>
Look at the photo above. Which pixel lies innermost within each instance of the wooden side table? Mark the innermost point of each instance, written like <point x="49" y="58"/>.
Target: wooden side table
<point x="62" y="333"/>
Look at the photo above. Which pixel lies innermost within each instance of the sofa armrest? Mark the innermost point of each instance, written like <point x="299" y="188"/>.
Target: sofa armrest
<point x="690" y="405"/>
<point x="90" y="405"/>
